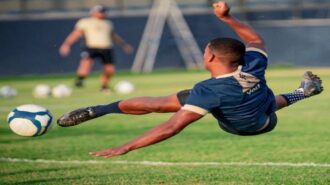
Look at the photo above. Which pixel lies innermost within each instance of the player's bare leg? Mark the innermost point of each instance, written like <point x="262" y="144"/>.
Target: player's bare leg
<point x="310" y="85"/>
<point x="83" y="71"/>
<point x="108" y="71"/>
<point x="136" y="106"/>
<point x="281" y="102"/>
<point x="145" y="105"/>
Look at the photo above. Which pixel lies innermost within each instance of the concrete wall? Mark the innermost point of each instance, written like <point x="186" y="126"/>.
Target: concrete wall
<point x="31" y="47"/>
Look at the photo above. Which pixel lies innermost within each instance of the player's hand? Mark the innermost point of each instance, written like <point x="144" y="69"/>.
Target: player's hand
<point x="65" y="50"/>
<point x="221" y="9"/>
<point x="128" y="49"/>
<point x="110" y="152"/>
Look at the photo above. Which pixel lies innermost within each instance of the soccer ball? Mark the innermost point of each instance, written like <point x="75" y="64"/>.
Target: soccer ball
<point x="61" y="91"/>
<point x="29" y="120"/>
<point x="8" y="92"/>
<point x="42" y="91"/>
<point x="124" y="87"/>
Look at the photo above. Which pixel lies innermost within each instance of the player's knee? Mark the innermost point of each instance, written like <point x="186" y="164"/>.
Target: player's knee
<point x="109" y="70"/>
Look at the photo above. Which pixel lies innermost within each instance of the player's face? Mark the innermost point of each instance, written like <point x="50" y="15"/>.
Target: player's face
<point x="99" y="15"/>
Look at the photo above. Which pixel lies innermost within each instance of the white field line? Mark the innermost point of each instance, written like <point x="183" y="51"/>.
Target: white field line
<point x="160" y="163"/>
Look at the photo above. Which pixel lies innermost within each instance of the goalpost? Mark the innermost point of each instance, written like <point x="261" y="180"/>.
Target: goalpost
<point x="162" y="11"/>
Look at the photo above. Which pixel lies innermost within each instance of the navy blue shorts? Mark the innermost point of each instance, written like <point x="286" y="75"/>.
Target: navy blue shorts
<point x="183" y="96"/>
<point x="267" y="127"/>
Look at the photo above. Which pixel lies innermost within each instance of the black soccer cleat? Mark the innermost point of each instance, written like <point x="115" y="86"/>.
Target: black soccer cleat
<point x="76" y="117"/>
<point x="311" y="84"/>
<point x="79" y="83"/>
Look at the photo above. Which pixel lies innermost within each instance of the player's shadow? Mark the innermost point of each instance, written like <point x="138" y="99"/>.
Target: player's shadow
<point x="48" y="136"/>
<point x="39" y="171"/>
<point x="74" y="133"/>
<point x="13" y="140"/>
<point x="64" y="179"/>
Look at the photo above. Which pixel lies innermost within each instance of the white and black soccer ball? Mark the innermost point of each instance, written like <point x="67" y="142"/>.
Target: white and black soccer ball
<point x="61" y="91"/>
<point x="124" y="87"/>
<point x="8" y="92"/>
<point x="42" y="91"/>
<point x="30" y="120"/>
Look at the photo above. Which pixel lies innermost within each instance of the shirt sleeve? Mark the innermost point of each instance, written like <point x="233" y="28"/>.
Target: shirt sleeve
<point x="255" y="62"/>
<point x="201" y="100"/>
<point x="81" y="24"/>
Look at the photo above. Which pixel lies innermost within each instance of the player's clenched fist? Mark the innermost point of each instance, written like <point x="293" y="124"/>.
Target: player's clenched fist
<point x="221" y="9"/>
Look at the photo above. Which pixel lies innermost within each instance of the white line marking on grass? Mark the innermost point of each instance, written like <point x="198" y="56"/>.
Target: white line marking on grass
<point x="160" y="163"/>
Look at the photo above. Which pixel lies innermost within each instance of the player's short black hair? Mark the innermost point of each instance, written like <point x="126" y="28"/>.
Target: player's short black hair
<point x="231" y="49"/>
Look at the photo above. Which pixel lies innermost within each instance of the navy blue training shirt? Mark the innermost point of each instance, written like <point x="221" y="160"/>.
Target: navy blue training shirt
<point x="240" y="101"/>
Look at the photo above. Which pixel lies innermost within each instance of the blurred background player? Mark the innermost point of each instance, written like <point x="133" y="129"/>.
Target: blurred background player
<point x="237" y="94"/>
<point x="99" y="37"/>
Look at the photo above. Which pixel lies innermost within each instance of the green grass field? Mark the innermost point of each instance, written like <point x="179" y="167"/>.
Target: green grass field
<point x="302" y="136"/>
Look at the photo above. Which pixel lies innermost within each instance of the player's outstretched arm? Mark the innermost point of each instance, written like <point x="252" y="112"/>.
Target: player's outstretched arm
<point x="245" y="32"/>
<point x="157" y="134"/>
<point x="71" y="39"/>
<point x="120" y="41"/>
